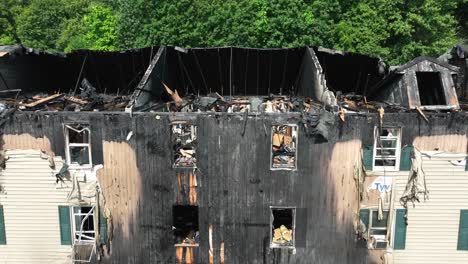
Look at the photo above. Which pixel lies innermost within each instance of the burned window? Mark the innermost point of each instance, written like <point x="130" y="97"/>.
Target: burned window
<point x="184" y="138"/>
<point x="282" y="226"/>
<point x="284" y="146"/>
<point x="78" y="147"/>
<point x="387" y="148"/>
<point x="378" y="224"/>
<point x="431" y="90"/>
<point x="185" y="225"/>
<point x="83" y="224"/>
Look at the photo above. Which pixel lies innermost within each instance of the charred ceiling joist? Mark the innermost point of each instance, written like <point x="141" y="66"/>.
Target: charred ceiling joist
<point x="33" y="71"/>
<point x="233" y="71"/>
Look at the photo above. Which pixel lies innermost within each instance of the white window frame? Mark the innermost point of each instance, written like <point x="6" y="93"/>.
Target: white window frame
<point x="295" y="153"/>
<point x="377" y="139"/>
<point x="68" y="145"/>
<point x="293" y="208"/>
<point x="372" y="211"/>
<point x="75" y="232"/>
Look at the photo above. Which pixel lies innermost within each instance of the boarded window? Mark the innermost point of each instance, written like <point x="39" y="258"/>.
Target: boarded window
<point x="284" y="147"/>
<point x="431" y="90"/>
<point x="78" y="147"/>
<point x="283" y="220"/>
<point x="387" y="148"/>
<point x="184" y="140"/>
<point x="185" y="225"/>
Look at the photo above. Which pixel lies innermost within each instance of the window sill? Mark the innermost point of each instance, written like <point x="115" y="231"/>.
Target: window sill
<point x="84" y="242"/>
<point x="283" y="168"/>
<point x="279" y="246"/>
<point x="388" y="173"/>
<point x="79" y="167"/>
<point x="186" y="245"/>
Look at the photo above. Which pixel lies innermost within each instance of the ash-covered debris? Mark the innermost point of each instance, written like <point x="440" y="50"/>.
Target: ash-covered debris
<point x="86" y="100"/>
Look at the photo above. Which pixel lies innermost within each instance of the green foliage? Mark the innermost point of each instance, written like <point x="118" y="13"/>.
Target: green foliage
<point x="41" y="23"/>
<point x="100" y="25"/>
<point x="396" y="30"/>
<point x="8" y="12"/>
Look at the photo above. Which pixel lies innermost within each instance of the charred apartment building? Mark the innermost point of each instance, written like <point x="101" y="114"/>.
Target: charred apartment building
<point x="232" y="155"/>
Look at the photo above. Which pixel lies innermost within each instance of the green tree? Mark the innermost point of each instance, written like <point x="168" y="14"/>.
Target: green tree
<point x="8" y="13"/>
<point x="100" y="25"/>
<point x="40" y="23"/>
<point x="398" y="30"/>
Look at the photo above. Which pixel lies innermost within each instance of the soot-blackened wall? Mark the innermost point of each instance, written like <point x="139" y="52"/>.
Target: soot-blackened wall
<point x="232" y="186"/>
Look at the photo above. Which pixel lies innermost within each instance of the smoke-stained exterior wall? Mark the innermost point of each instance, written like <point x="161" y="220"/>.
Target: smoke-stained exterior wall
<point x="235" y="186"/>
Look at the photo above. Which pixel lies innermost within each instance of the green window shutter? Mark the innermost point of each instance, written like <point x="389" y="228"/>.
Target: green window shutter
<point x="405" y="158"/>
<point x="400" y="229"/>
<point x="102" y="227"/>
<point x="65" y="226"/>
<point x="364" y="217"/>
<point x="2" y="227"/>
<point x="463" y="231"/>
<point x="368" y="156"/>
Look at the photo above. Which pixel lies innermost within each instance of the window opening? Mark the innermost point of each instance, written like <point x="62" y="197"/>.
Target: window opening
<point x="83" y="224"/>
<point x="185" y="225"/>
<point x="184" y="138"/>
<point x="284" y="146"/>
<point x="282" y="227"/>
<point x="78" y="146"/>
<point x="431" y="90"/>
<point x="387" y="148"/>
<point x="378" y="227"/>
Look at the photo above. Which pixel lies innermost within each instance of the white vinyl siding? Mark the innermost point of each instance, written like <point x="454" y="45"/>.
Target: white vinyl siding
<point x="30" y="201"/>
<point x="432" y="230"/>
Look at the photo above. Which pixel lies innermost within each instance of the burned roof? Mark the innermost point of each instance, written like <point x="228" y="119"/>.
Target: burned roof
<point x="425" y="58"/>
<point x="227" y="79"/>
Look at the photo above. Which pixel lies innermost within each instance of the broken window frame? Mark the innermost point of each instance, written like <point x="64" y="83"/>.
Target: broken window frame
<point x="194" y="134"/>
<point x="184" y="244"/>
<point x="272" y="167"/>
<point x="439" y="93"/>
<point x="79" y="232"/>
<point x="293" y="209"/>
<point x="69" y="145"/>
<point x="377" y="146"/>
<point x="371" y="228"/>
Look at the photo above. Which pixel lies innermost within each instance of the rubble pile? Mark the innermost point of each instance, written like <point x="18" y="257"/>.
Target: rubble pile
<point x="282" y="235"/>
<point x="86" y="100"/>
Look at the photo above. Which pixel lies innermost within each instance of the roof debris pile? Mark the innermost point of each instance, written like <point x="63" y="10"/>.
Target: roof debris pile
<point x="231" y="80"/>
<point x="87" y="100"/>
<point x="284" y="146"/>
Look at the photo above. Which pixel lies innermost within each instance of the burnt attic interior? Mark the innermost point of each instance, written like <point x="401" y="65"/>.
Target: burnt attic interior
<point x="174" y="79"/>
<point x="424" y="82"/>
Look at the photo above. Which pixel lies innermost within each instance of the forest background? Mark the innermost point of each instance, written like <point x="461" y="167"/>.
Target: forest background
<point x="396" y="30"/>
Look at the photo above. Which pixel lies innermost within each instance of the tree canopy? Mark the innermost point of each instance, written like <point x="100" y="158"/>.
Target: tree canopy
<point x="396" y="30"/>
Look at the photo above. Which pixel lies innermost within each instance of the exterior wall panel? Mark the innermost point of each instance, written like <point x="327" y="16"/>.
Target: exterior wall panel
<point x="432" y="230"/>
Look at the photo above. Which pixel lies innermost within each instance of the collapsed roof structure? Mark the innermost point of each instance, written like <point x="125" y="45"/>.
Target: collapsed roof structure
<point x="230" y="155"/>
<point x="215" y="79"/>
